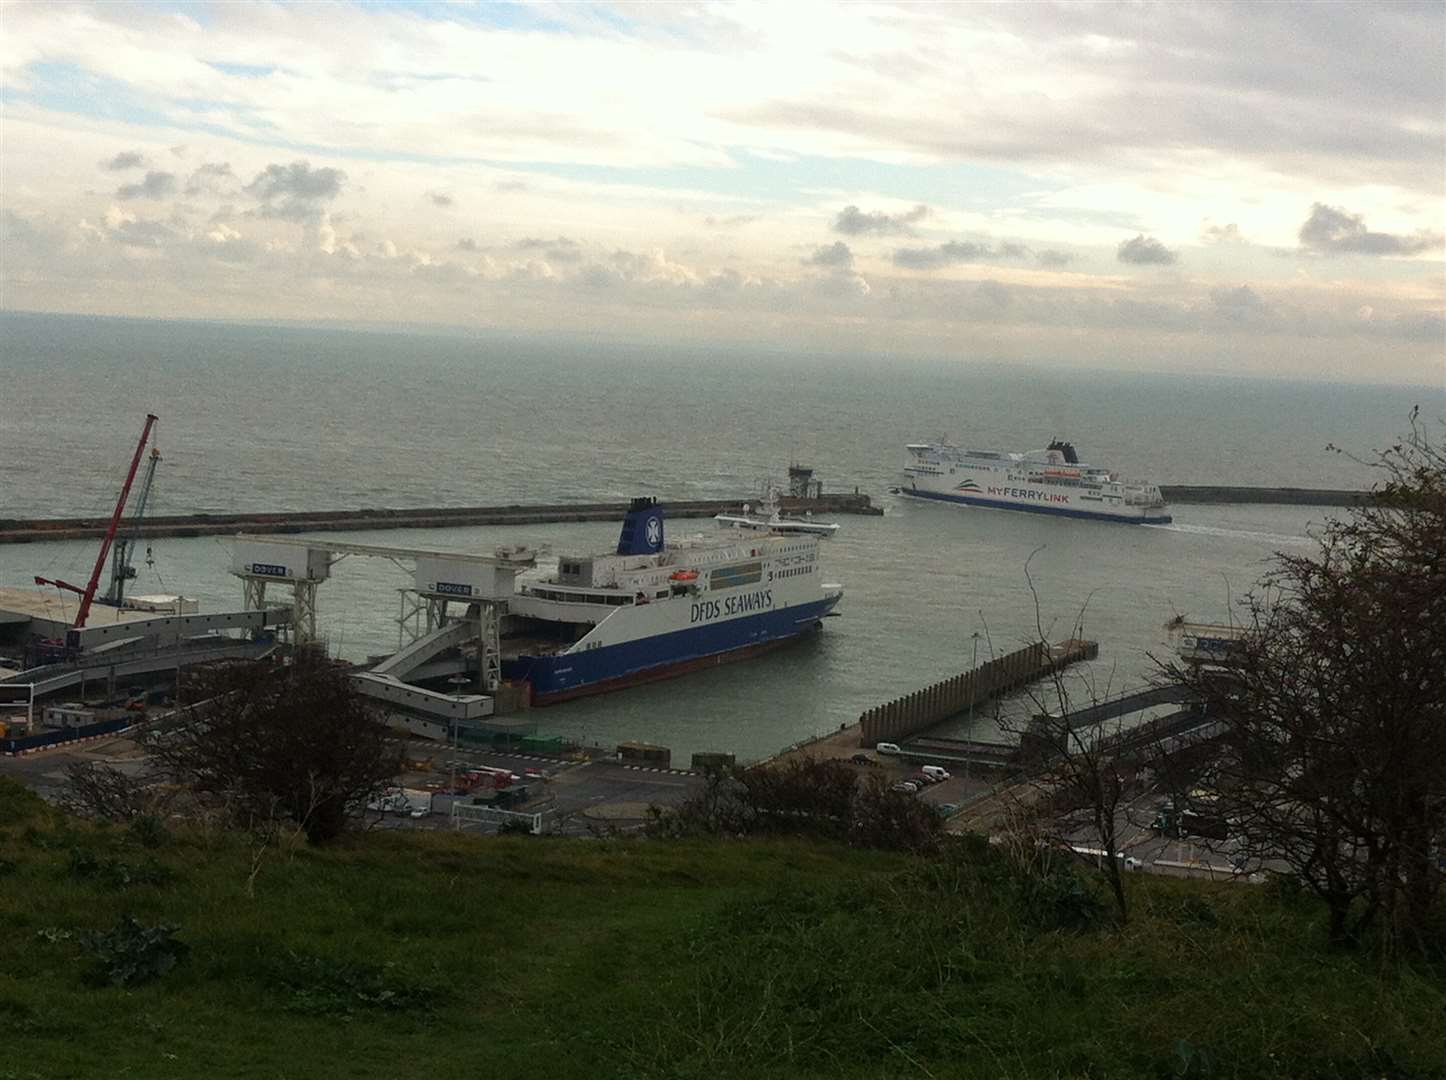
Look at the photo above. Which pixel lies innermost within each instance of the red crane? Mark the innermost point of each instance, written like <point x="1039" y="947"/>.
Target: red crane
<point x="87" y="594"/>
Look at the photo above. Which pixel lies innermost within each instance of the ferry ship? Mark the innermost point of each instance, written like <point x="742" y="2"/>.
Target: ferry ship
<point x="1048" y="481"/>
<point x="651" y="609"/>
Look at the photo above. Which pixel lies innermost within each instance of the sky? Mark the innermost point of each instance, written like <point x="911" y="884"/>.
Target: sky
<point x="1208" y="187"/>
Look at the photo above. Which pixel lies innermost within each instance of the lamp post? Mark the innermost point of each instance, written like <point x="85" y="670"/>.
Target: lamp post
<point x="973" y="693"/>
<point x="974" y="686"/>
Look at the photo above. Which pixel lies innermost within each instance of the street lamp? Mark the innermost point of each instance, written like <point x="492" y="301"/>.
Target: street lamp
<point x="974" y="686"/>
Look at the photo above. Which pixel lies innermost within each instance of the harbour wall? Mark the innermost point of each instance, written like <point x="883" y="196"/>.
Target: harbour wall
<point x="1279" y="496"/>
<point x="19" y="531"/>
<point x="23" y="531"/>
<point x="916" y="712"/>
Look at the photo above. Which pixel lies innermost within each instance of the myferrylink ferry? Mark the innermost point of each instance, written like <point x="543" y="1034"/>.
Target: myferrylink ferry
<point x="1048" y="481"/>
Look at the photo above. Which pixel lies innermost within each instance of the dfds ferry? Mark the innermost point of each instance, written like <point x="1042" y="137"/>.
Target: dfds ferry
<point x="650" y="610"/>
<point x="1048" y="481"/>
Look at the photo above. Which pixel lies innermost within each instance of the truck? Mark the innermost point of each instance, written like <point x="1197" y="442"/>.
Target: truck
<point x="1171" y="819"/>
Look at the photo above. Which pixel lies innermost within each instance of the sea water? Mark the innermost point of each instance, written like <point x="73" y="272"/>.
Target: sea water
<point x="287" y="418"/>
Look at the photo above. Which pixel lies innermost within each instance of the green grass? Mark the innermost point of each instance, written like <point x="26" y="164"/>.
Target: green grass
<point x="411" y="955"/>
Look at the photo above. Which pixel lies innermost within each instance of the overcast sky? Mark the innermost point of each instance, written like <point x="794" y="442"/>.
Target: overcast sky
<point x="1254" y="188"/>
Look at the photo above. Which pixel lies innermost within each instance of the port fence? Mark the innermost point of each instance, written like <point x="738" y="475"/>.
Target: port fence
<point x="912" y="713"/>
<point x="464" y="815"/>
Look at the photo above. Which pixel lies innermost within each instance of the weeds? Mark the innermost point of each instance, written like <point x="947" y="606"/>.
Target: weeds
<point x="322" y="986"/>
<point x="131" y="953"/>
<point x="114" y="873"/>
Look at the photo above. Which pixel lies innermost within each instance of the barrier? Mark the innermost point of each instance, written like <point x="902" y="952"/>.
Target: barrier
<point x="924" y="708"/>
<point x="491" y="815"/>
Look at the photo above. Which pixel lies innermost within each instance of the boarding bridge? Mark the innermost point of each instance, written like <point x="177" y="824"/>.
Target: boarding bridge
<point x="403" y="662"/>
<point x="172" y="629"/>
<point x="428" y="624"/>
<point x="440" y="579"/>
<point x="108" y="668"/>
<point x="442" y="708"/>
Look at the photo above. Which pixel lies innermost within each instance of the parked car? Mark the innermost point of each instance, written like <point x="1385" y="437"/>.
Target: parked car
<point x="863" y="759"/>
<point x="887" y="748"/>
<point x="936" y="774"/>
<point x="905" y="787"/>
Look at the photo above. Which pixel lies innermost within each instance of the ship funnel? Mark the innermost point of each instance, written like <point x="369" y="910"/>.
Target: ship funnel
<point x="642" y="532"/>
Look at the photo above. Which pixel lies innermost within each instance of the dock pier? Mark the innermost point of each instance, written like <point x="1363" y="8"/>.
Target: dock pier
<point x="916" y="712"/>
<point x="25" y="531"/>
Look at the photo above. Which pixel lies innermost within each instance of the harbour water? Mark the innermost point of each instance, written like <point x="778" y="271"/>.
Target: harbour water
<point x="256" y="417"/>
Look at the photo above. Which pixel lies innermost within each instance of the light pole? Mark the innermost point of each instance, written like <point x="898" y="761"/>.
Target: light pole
<point x="973" y="693"/>
<point x="974" y="684"/>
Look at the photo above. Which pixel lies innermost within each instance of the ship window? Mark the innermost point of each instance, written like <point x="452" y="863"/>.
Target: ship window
<point x="730" y="577"/>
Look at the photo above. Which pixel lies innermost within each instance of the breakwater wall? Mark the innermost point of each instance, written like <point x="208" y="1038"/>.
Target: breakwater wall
<point x="1281" y="496"/>
<point x="22" y="531"/>
<point x="912" y="713"/>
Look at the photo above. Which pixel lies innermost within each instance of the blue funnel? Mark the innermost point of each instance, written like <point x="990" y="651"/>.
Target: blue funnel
<point x="642" y="528"/>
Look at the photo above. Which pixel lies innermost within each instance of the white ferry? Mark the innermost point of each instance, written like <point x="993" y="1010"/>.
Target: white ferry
<point x="1048" y="481"/>
<point x="650" y="610"/>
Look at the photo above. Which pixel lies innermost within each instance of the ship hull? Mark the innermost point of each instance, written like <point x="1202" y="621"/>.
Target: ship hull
<point x="1142" y="516"/>
<point x="563" y="676"/>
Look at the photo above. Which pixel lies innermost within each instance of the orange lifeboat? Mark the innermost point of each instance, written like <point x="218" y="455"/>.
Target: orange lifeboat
<point x="684" y="575"/>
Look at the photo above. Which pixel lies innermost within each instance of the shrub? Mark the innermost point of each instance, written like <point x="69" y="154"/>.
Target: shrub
<point x="114" y="873"/>
<point x="131" y="953"/>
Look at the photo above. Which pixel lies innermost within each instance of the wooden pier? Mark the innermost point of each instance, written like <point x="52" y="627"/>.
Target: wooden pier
<point x="913" y="713"/>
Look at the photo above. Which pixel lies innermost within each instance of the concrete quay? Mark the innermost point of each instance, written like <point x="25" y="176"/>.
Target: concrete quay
<point x="13" y="531"/>
<point x="1279" y="496"/>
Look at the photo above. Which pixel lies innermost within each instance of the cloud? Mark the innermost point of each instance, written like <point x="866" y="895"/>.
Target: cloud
<point x="1053" y="258"/>
<point x="561" y="250"/>
<point x="210" y="177"/>
<point x="946" y="254"/>
<point x="1427" y="328"/>
<point x="295" y="192"/>
<point x="156" y="185"/>
<point x="1222" y="234"/>
<point x="842" y="285"/>
<point x="126" y="159"/>
<point x="1332" y="231"/>
<point x="734" y="222"/>
<point x="1145" y="251"/>
<point x="835" y="255"/>
<point x="507" y="186"/>
<point x="854" y="222"/>
<point x="1240" y="306"/>
<point x="957" y="251"/>
<point x="144" y="234"/>
<point x="441" y="199"/>
<point x="466" y="244"/>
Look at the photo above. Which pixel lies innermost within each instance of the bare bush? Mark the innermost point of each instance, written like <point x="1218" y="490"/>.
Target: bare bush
<point x="295" y="743"/>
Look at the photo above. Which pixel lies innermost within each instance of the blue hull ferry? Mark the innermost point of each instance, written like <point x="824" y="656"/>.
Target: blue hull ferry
<point x="652" y="610"/>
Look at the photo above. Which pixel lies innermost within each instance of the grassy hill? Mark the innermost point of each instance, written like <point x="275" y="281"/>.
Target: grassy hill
<point x="411" y="955"/>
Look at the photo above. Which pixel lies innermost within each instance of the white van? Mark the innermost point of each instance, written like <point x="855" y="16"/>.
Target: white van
<point x="887" y="748"/>
<point x="934" y="773"/>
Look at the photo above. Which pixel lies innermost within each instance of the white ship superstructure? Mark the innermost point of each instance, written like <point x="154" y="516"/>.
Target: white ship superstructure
<point x="1048" y="481"/>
